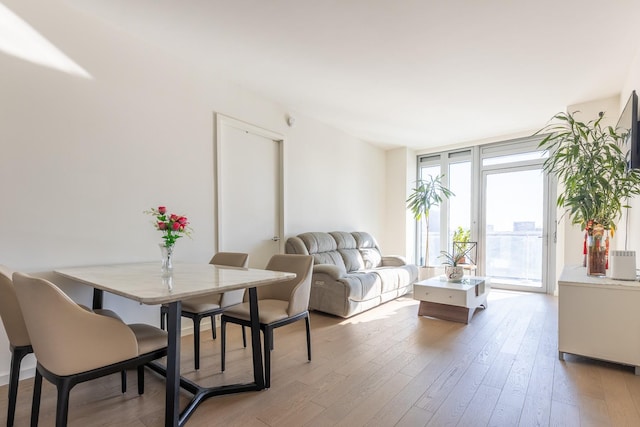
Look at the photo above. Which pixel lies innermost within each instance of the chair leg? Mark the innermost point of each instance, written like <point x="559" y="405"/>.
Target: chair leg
<point x="223" y="344"/>
<point x="213" y="326"/>
<point x="123" y="380"/>
<point x="141" y="379"/>
<point x="308" y="325"/>
<point x="268" y="346"/>
<point x="62" y="406"/>
<point x="244" y="337"/>
<point x="35" y="402"/>
<point x="17" y="354"/>
<point x="196" y="342"/>
<point x="163" y="315"/>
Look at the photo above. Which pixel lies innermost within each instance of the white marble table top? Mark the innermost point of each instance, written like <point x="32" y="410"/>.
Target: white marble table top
<point x="466" y="283"/>
<point x="144" y="283"/>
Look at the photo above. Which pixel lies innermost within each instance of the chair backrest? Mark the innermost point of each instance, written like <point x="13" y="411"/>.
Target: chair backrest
<point x="297" y="290"/>
<point x="66" y="338"/>
<point x="230" y="259"/>
<point x="10" y="311"/>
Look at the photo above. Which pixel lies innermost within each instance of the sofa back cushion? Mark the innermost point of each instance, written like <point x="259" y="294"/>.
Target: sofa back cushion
<point x="368" y="248"/>
<point x="323" y="248"/>
<point x="348" y="249"/>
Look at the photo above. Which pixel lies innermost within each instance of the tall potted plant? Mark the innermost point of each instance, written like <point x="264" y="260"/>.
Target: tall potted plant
<point x="428" y="193"/>
<point x="590" y="163"/>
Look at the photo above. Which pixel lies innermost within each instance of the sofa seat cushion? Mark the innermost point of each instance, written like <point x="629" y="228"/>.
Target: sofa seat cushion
<point x="394" y="278"/>
<point x="363" y="285"/>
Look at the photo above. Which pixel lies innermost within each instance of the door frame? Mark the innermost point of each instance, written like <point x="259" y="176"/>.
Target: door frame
<point x="223" y="120"/>
<point x="549" y="223"/>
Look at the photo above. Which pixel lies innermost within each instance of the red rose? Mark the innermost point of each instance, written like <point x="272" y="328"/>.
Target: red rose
<point x="182" y="220"/>
<point x="162" y="210"/>
<point x="176" y="226"/>
<point x="182" y="228"/>
<point x="174" y="217"/>
<point x="162" y="225"/>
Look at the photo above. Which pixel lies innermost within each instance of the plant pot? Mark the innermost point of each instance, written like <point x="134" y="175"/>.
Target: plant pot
<point x="454" y="273"/>
<point x="597" y="251"/>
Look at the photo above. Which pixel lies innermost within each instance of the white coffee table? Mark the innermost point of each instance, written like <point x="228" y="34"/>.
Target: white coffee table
<point x="455" y="301"/>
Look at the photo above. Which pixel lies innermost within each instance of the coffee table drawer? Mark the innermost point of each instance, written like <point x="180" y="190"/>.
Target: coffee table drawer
<point x="441" y="295"/>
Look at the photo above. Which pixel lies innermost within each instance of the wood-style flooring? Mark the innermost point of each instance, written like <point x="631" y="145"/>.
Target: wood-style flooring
<point x="385" y="367"/>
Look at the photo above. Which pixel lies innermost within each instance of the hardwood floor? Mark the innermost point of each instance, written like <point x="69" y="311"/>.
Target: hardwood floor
<point x="385" y="367"/>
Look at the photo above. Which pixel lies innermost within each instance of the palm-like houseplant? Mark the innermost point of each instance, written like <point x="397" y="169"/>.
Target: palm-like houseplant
<point x="428" y="193"/>
<point x="590" y="162"/>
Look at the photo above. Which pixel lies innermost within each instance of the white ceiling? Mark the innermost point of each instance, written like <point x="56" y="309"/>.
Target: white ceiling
<point x="420" y="73"/>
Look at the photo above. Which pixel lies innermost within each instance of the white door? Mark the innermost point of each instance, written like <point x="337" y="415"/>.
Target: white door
<point x="249" y="187"/>
<point x="515" y="227"/>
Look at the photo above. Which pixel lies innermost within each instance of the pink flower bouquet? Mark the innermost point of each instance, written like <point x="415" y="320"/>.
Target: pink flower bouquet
<point x="172" y="226"/>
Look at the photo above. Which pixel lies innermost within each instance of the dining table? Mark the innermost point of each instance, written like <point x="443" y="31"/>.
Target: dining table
<point x="147" y="284"/>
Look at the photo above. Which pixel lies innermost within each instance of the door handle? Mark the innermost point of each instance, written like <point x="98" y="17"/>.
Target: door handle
<point x="276" y="238"/>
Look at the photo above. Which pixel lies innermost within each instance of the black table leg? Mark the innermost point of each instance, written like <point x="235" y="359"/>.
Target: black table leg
<point x="173" y="417"/>
<point x="97" y="298"/>
<point x="258" y="371"/>
<point x="172" y="409"/>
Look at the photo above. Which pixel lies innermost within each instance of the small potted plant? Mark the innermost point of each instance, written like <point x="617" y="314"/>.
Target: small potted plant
<point x="461" y="237"/>
<point x="453" y="270"/>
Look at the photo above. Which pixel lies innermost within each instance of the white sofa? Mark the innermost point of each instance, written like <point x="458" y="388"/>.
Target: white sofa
<point x="350" y="274"/>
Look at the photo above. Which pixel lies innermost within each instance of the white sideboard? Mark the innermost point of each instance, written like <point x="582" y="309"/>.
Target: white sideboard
<point x="599" y="317"/>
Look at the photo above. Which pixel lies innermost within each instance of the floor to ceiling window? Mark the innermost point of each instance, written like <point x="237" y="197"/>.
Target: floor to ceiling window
<point x="501" y="204"/>
<point x="453" y="213"/>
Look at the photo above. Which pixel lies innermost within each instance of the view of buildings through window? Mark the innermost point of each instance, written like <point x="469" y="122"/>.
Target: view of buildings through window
<point x="514" y="223"/>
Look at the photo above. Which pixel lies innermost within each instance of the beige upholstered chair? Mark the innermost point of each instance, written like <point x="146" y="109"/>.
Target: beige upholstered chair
<point x="73" y="345"/>
<point x="279" y="304"/>
<point x="211" y="305"/>
<point x="19" y="341"/>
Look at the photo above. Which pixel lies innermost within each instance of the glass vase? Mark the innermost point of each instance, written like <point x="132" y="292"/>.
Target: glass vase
<point x="597" y="251"/>
<point x="167" y="252"/>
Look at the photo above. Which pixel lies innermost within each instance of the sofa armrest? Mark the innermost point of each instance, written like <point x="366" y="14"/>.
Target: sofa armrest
<point x="295" y="245"/>
<point x="333" y="271"/>
<point x="393" y="261"/>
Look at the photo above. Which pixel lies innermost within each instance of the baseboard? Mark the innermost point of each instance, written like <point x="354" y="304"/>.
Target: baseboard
<point x="187" y="325"/>
<point x="24" y="374"/>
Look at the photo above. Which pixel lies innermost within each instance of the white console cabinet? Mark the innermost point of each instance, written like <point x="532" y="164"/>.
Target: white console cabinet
<point x="599" y="317"/>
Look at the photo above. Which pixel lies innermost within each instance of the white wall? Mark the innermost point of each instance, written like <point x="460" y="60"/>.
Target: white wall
<point x="334" y="182"/>
<point x="400" y="233"/>
<point x="82" y="158"/>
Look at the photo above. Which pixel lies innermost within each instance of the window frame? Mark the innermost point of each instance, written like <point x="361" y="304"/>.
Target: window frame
<point x="444" y="159"/>
<point x="477" y="156"/>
